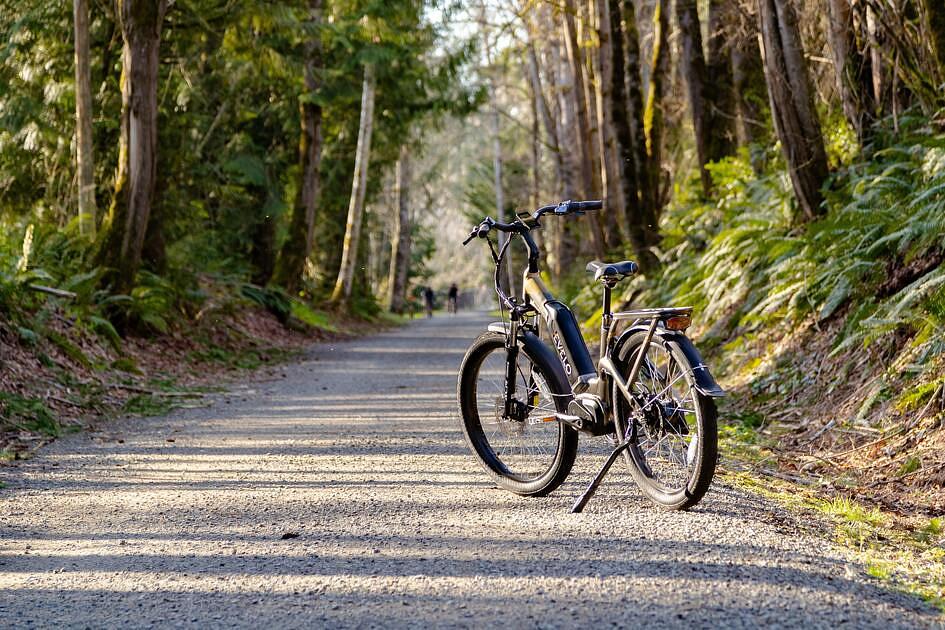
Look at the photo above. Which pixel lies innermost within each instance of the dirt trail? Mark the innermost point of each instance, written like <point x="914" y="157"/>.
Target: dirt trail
<point x="357" y="451"/>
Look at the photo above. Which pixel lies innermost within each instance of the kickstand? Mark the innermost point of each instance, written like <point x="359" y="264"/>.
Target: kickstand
<point x="591" y="489"/>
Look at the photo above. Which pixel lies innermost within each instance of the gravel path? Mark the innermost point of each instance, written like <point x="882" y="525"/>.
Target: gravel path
<point x="179" y="521"/>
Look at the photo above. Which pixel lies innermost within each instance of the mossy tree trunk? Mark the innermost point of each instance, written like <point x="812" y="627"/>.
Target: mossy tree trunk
<point x="658" y="184"/>
<point x="126" y="225"/>
<point x="83" y="116"/>
<point x="933" y="14"/>
<point x="298" y="245"/>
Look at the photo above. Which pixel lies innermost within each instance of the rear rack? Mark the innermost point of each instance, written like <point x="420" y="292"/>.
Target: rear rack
<point x="651" y="313"/>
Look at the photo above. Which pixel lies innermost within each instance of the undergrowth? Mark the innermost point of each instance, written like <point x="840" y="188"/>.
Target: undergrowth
<point x="71" y="348"/>
<point x="849" y="308"/>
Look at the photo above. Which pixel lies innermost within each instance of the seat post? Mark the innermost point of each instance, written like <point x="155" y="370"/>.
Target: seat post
<point x="607" y="317"/>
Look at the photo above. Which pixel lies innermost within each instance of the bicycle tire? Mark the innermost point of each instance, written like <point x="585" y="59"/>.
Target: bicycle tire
<point x="483" y="446"/>
<point x="703" y="419"/>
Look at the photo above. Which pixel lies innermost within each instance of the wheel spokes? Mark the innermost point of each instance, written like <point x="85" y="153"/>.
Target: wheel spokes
<point x="525" y="447"/>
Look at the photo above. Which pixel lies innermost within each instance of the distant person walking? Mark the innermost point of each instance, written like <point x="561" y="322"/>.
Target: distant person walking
<point x="453" y="299"/>
<point x="428" y="296"/>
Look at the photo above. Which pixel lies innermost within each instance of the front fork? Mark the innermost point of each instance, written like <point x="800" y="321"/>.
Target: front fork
<point x="513" y="408"/>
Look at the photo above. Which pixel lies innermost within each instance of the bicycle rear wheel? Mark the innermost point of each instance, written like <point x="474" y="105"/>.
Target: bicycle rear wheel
<point x="530" y="457"/>
<point x="673" y="425"/>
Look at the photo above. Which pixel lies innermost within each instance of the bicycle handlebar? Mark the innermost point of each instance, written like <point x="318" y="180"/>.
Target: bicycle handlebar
<point x="569" y="207"/>
<point x="562" y="209"/>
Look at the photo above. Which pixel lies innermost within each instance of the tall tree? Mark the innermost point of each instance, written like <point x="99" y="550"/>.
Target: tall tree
<point x="553" y="229"/>
<point x="400" y="237"/>
<point x="748" y="82"/>
<point x="629" y="128"/>
<point x="127" y="221"/>
<point x="578" y="95"/>
<point x="792" y="103"/>
<point x="933" y="14"/>
<point x="853" y="68"/>
<point x="349" y="256"/>
<point x="654" y="123"/>
<point x="692" y="63"/>
<point x="83" y="116"/>
<point x="607" y="142"/>
<point x="298" y="245"/>
<point x="720" y="95"/>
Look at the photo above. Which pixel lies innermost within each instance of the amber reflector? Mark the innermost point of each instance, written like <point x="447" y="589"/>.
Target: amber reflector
<point x="680" y="322"/>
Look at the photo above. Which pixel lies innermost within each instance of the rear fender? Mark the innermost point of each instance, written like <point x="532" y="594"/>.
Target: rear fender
<point x="705" y="382"/>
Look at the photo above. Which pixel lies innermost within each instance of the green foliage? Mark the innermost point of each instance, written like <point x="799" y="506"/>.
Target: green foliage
<point x="919" y="396"/>
<point x="27" y="414"/>
<point x="230" y="85"/>
<point x="309" y="316"/>
<point x="274" y="300"/>
<point x="148" y="405"/>
<point x="856" y="523"/>
<point x="875" y="253"/>
<point x="933" y="531"/>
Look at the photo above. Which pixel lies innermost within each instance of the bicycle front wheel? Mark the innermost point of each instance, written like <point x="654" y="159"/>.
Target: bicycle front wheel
<point x="672" y="425"/>
<point x="531" y="456"/>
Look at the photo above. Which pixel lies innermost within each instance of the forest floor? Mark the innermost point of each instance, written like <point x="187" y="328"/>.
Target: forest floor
<point x="339" y="491"/>
<point x="832" y="433"/>
<point x="71" y="379"/>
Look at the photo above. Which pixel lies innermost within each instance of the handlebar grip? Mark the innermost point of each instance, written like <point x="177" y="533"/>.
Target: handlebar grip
<point x="587" y="206"/>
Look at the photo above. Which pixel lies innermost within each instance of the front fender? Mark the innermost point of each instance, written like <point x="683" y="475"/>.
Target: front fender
<point x="705" y="382"/>
<point x="533" y="343"/>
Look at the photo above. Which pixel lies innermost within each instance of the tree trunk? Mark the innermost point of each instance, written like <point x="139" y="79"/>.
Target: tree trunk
<point x="564" y="245"/>
<point x="83" y="117"/>
<point x="127" y="222"/>
<point x="498" y="164"/>
<point x="349" y="254"/>
<point x="154" y="250"/>
<point x="751" y="93"/>
<point x="881" y="72"/>
<point x="547" y="117"/>
<point x="584" y="137"/>
<point x="657" y="187"/>
<point x="627" y="103"/>
<point x="792" y="104"/>
<point x="400" y="239"/>
<point x="720" y="95"/>
<point x="262" y="251"/>
<point x="535" y="157"/>
<point x="610" y="185"/>
<point x="692" y="63"/>
<point x="852" y="68"/>
<point x="298" y="245"/>
<point x="933" y="13"/>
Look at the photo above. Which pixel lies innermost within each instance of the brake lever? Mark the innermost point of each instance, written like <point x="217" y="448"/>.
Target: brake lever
<point x="471" y="237"/>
